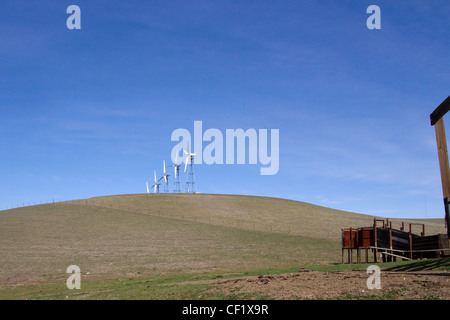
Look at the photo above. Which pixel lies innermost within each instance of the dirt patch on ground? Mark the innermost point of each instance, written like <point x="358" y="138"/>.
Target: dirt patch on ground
<point x="341" y="285"/>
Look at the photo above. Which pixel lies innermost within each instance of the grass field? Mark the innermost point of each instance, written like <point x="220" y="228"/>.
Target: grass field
<point x="141" y="241"/>
<point x="210" y="285"/>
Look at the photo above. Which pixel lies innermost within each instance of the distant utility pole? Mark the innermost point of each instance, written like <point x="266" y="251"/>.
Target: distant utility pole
<point x="437" y="121"/>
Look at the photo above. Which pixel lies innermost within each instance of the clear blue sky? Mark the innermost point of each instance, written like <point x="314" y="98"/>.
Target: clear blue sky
<point x="90" y="112"/>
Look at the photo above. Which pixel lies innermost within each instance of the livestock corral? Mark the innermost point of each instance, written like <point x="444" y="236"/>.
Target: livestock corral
<point x="386" y="243"/>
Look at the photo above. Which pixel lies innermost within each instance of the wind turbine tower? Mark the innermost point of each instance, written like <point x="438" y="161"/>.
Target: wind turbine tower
<point x="166" y="177"/>
<point x="190" y="183"/>
<point x="156" y="185"/>
<point x="176" y="169"/>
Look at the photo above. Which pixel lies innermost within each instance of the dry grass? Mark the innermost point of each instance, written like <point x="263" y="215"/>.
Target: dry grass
<point x="250" y="213"/>
<point x="167" y="234"/>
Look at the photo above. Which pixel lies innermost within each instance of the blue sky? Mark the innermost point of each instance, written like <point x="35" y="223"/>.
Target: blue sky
<point x="90" y="112"/>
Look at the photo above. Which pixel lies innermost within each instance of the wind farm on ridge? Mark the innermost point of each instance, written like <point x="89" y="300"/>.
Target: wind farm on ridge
<point x="190" y="186"/>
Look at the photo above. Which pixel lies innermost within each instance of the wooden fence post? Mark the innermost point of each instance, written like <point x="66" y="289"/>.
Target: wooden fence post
<point x="437" y="121"/>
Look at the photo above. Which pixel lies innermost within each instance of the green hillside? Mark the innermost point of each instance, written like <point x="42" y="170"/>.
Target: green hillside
<point x="147" y="234"/>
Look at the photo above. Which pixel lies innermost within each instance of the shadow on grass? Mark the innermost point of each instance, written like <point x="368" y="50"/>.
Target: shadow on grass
<point x="422" y="265"/>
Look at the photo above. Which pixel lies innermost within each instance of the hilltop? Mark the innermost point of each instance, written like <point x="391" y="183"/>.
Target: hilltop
<point x="146" y="234"/>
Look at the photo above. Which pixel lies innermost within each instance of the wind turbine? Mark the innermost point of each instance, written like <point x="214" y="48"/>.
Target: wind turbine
<point x="146" y="184"/>
<point x="156" y="185"/>
<point x="176" y="169"/>
<point x="166" y="177"/>
<point x="191" y="177"/>
<point x="189" y="156"/>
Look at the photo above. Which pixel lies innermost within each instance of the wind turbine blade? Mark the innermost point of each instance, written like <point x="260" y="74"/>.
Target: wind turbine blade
<point x="175" y="169"/>
<point x="185" y="166"/>
<point x="164" y="166"/>
<point x="146" y="183"/>
<point x="176" y="159"/>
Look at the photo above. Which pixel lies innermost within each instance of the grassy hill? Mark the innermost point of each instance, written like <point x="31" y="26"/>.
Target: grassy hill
<point x="146" y="234"/>
<point x="249" y="213"/>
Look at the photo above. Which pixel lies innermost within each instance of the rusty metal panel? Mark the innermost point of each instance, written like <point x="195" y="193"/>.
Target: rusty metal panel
<point x="365" y="237"/>
<point x="349" y="238"/>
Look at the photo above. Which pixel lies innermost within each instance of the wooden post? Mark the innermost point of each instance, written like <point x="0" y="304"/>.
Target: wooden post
<point x="447" y="214"/>
<point x="443" y="157"/>
<point x="410" y="243"/>
<point x="390" y="242"/>
<point x="358" y="251"/>
<point x="375" y="240"/>
<point x="438" y="121"/>
<point x="350" y="245"/>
